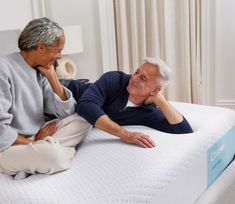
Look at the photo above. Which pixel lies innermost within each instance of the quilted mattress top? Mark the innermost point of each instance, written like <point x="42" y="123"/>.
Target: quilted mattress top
<point x="105" y="170"/>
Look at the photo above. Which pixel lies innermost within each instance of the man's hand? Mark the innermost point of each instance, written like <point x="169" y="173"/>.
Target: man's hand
<point x="156" y="99"/>
<point x="106" y="124"/>
<point x="171" y="114"/>
<point x="139" y="139"/>
<point x="48" y="130"/>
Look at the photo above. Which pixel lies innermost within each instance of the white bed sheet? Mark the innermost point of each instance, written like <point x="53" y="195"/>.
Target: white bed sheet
<point x="105" y="170"/>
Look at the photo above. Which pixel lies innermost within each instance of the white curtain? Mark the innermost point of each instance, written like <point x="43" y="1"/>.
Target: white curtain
<point x="170" y="29"/>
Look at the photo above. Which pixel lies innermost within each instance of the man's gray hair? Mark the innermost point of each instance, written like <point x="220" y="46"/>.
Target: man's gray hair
<point x="41" y="30"/>
<point x="164" y="70"/>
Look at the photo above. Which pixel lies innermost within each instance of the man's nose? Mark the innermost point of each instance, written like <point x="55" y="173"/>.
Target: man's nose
<point x="135" y="78"/>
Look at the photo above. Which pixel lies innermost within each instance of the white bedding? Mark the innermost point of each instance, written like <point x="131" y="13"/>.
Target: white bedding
<point x="105" y="170"/>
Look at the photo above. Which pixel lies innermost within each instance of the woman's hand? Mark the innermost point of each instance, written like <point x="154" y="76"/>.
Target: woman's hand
<point x="48" y="72"/>
<point x="48" y="130"/>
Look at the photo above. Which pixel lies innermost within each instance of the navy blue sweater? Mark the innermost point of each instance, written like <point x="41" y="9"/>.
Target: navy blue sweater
<point x="108" y="96"/>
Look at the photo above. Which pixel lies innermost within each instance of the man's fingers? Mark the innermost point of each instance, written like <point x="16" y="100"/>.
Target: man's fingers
<point x="150" y="141"/>
<point x="140" y="143"/>
<point x="146" y="141"/>
<point x="139" y="139"/>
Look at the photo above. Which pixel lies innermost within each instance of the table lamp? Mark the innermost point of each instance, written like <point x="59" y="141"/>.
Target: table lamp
<point x="66" y="68"/>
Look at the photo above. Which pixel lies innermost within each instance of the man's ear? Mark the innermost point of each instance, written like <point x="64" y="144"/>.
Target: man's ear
<point x="156" y="90"/>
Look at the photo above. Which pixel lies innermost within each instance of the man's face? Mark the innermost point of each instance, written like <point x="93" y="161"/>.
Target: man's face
<point x="52" y="53"/>
<point x="143" y="82"/>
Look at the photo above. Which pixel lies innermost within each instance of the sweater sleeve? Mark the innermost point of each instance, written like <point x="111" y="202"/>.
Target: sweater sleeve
<point x="90" y="104"/>
<point x="7" y="134"/>
<point x="156" y="120"/>
<point x="54" y="105"/>
<point x="179" y="128"/>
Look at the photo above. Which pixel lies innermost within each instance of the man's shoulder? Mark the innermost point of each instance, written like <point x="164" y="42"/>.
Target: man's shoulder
<point x="115" y="76"/>
<point x="113" y="80"/>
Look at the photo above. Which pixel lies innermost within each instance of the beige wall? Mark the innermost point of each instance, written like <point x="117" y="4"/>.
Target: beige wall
<point x="84" y="13"/>
<point x="12" y="17"/>
<point x="218" y="43"/>
<point x="218" y="52"/>
<point x="225" y="53"/>
<point x="65" y="12"/>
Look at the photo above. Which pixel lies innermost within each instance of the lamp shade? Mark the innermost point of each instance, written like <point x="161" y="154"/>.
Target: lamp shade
<point x="73" y="40"/>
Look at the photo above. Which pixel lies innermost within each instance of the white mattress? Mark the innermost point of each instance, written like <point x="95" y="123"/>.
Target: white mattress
<point x="222" y="190"/>
<point x="105" y="170"/>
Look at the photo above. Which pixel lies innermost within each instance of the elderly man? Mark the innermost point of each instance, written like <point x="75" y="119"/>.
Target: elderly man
<point x="29" y="89"/>
<point x="118" y="99"/>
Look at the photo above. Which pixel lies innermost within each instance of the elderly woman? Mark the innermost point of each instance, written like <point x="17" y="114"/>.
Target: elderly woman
<point x="29" y="89"/>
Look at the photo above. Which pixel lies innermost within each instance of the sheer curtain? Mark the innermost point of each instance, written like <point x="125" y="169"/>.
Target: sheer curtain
<point x="170" y="29"/>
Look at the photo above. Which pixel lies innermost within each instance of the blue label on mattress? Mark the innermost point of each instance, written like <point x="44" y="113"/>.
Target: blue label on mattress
<point x="220" y="155"/>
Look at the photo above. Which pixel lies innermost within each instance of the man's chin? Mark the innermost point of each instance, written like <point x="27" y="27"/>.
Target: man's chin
<point x="129" y="89"/>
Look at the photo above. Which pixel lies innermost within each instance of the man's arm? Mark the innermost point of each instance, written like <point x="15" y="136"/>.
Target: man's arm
<point x="171" y="114"/>
<point x="106" y="124"/>
<point x="174" y="118"/>
<point x="90" y="107"/>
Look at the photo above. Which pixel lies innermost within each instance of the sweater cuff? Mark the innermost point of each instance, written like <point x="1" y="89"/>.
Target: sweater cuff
<point x="67" y="107"/>
<point x="8" y="137"/>
<point x="182" y="128"/>
<point x="68" y="93"/>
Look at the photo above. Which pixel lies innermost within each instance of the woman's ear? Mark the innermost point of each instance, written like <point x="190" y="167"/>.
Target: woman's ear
<point x="41" y="47"/>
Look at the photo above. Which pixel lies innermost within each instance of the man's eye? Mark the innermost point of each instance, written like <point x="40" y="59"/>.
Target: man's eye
<point x="143" y="79"/>
<point x="137" y="71"/>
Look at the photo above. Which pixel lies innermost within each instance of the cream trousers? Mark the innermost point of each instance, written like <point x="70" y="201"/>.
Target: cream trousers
<point x="50" y="155"/>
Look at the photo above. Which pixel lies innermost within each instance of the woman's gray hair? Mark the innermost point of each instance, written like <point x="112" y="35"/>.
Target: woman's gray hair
<point x="164" y="70"/>
<point x="41" y="30"/>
